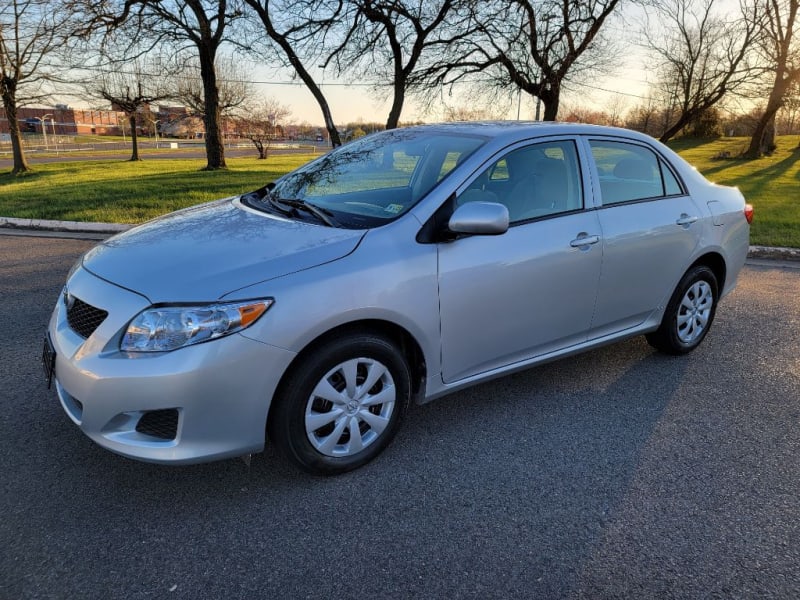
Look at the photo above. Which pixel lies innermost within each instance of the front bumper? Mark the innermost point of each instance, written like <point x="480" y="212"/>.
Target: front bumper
<point x="196" y="404"/>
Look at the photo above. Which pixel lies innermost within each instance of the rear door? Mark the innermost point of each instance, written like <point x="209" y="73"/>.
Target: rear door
<point x="650" y="229"/>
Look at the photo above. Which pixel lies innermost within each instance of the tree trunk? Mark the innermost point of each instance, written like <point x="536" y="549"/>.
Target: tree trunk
<point x="10" y="106"/>
<point x="674" y="129"/>
<point x="397" y="103"/>
<point x="262" y="153"/>
<point x="551" y="99"/>
<point x="134" y="138"/>
<point x="215" y="150"/>
<point x="333" y="133"/>
<point x="763" y="139"/>
<point x="769" y="137"/>
<point x="299" y="68"/>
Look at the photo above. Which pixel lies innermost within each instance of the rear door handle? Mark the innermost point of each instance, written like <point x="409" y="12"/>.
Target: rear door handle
<point x="584" y="239"/>
<point x="685" y="220"/>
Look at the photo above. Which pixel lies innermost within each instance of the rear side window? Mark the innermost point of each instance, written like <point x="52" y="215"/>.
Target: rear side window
<point x="629" y="172"/>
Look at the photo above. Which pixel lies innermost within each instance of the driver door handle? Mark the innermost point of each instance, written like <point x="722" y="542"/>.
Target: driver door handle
<point x="584" y="239"/>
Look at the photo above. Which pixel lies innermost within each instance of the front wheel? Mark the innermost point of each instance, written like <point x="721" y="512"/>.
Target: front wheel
<point x="689" y="314"/>
<point x="342" y="404"/>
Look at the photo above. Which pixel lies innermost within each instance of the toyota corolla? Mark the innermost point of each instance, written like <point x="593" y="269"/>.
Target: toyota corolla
<point x="398" y="268"/>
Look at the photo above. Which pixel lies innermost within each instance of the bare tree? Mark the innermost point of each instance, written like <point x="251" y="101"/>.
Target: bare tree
<point x="789" y="115"/>
<point x="388" y="39"/>
<point x="261" y="123"/>
<point x="701" y="55"/>
<point x="197" y="24"/>
<point x="32" y="32"/>
<point x="235" y="88"/>
<point x="780" y="48"/>
<point x="469" y="113"/>
<point x="615" y="108"/>
<point x="130" y="89"/>
<point x="647" y="117"/>
<point x="299" y="29"/>
<point x="531" y="45"/>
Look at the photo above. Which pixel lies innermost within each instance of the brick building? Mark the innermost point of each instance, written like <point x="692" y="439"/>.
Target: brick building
<point x="63" y="120"/>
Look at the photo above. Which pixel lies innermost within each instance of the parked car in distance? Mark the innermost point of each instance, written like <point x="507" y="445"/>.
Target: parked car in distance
<point x="398" y="268"/>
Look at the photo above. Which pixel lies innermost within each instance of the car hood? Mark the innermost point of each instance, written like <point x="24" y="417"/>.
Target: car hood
<point x="205" y="252"/>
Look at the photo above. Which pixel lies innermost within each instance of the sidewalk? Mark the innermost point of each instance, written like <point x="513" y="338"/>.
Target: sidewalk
<point x="79" y="227"/>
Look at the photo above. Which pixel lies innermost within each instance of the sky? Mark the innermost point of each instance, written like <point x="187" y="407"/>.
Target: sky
<point x="626" y="85"/>
<point x="353" y="103"/>
<point x="623" y="88"/>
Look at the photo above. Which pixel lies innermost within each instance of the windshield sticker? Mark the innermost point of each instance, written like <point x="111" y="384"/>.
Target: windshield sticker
<point x="394" y="208"/>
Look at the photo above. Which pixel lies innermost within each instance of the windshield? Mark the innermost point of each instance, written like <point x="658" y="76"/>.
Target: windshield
<point x="371" y="181"/>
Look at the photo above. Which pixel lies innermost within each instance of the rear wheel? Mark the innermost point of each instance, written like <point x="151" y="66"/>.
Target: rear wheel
<point x="342" y="404"/>
<point x="689" y="314"/>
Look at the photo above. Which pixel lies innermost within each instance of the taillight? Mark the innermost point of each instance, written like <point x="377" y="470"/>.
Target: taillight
<point x="748" y="212"/>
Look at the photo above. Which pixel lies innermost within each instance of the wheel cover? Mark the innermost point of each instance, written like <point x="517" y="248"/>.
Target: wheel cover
<point x="694" y="312"/>
<point x="350" y="407"/>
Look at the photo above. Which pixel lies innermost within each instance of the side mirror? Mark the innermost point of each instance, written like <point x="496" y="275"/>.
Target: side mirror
<point x="479" y="218"/>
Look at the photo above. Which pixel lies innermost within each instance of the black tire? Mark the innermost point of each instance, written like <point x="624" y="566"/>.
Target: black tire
<point x="324" y="450"/>
<point x="689" y="314"/>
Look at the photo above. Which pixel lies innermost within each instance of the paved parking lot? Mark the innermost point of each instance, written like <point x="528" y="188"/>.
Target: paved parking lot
<point x="616" y="474"/>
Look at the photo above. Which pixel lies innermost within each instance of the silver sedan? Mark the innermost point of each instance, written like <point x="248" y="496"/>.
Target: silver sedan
<point x="395" y="269"/>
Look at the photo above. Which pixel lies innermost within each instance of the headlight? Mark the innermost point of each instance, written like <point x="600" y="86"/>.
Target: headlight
<point x="167" y="328"/>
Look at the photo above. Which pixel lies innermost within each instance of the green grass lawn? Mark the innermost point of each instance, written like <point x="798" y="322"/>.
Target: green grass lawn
<point x="125" y="192"/>
<point x="771" y="184"/>
<point x="117" y="191"/>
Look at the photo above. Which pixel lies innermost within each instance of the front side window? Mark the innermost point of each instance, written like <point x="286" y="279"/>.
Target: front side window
<point x="629" y="172"/>
<point x="534" y="181"/>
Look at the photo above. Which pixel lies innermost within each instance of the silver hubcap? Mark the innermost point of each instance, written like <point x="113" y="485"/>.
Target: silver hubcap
<point x="694" y="312"/>
<point x="350" y="407"/>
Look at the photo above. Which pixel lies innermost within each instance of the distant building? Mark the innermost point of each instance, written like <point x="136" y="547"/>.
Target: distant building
<point x="63" y="120"/>
<point x="174" y="121"/>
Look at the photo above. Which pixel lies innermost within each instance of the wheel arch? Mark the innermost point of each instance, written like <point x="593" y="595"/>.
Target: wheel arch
<point x="715" y="262"/>
<point x="393" y="332"/>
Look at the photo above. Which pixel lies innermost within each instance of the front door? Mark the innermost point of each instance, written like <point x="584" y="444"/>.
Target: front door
<point x="532" y="290"/>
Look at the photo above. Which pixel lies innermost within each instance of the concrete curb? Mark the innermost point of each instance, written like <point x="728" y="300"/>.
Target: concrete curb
<point x="72" y="226"/>
<point x="774" y="253"/>
<point x="768" y="252"/>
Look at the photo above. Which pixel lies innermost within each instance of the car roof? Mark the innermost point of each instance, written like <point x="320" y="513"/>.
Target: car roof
<point x="511" y="131"/>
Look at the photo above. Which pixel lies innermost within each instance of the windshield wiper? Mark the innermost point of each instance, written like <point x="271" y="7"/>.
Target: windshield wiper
<point x="323" y="214"/>
<point x="279" y="206"/>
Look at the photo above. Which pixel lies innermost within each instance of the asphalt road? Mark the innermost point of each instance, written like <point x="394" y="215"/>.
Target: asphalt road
<point x="620" y="473"/>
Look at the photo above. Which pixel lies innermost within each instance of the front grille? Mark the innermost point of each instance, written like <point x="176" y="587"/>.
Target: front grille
<point x="84" y="318"/>
<point x="159" y="423"/>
